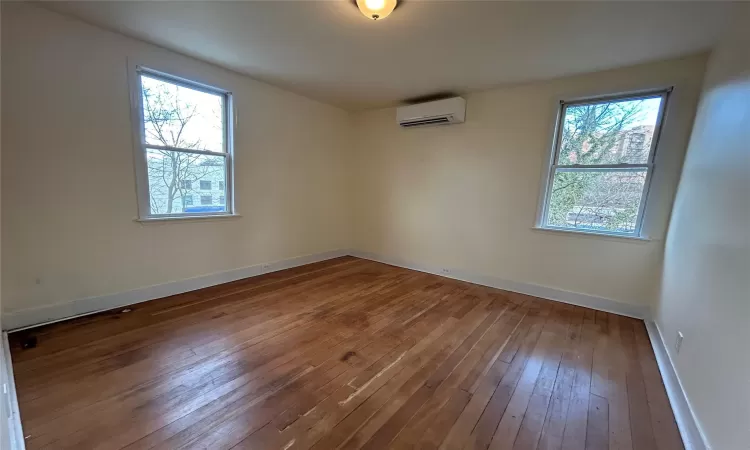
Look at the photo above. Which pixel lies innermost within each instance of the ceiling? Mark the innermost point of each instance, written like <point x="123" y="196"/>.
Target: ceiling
<point x="328" y="51"/>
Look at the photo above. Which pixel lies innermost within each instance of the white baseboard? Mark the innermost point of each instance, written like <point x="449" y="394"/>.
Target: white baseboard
<point x="573" y="298"/>
<point x="692" y="436"/>
<point x="15" y="431"/>
<point x="15" y="320"/>
<point x="19" y="319"/>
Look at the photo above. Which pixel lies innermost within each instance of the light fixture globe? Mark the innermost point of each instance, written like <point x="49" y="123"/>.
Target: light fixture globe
<point x="376" y="9"/>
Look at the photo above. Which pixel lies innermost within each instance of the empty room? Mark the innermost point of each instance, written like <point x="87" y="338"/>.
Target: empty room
<point x="375" y="224"/>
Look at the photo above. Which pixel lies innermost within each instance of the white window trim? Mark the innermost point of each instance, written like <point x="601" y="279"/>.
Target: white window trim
<point x="140" y="146"/>
<point x="551" y="166"/>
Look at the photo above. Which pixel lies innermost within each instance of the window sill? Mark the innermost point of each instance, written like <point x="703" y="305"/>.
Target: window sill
<point x="154" y="220"/>
<point x="590" y="234"/>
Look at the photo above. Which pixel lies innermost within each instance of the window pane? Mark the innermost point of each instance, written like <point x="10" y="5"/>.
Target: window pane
<point x="173" y="175"/>
<point x="609" y="133"/>
<point x="177" y="116"/>
<point x="600" y="200"/>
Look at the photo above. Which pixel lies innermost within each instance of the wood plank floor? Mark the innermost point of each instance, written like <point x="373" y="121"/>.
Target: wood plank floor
<point x="346" y="353"/>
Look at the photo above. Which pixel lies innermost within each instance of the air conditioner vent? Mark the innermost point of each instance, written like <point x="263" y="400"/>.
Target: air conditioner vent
<point x="430" y="121"/>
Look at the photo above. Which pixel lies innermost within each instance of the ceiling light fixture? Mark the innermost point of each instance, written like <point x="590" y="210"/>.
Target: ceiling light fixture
<point x="376" y="9"/>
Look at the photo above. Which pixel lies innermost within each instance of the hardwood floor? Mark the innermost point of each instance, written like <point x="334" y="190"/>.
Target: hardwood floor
<point x="346" y="353"/>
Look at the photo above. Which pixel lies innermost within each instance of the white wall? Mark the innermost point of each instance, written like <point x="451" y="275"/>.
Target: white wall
<point x="4" y="410"/>
<point x="706" y="282"/>
<point x="68" y="185"/>
<point x="465" y="196"/>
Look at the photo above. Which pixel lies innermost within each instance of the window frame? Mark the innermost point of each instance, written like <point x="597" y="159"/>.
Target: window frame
<point x="140" y="149"/>
<point x="552" y="165"/>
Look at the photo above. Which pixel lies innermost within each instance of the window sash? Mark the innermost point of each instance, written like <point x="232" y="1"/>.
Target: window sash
<point x="142" y="180"/>
<point x="641" y="206"/>
<point x="183" y="150"/>
<point x="601" y="167"/>
<point x="227" y="193"/>
<point x="182" y="82"/>
<point x="554" y="167"/>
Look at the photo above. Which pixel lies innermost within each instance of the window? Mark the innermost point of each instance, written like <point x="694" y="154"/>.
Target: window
<point x="184" y="137"/>
<point x="221" y="199"/>
<point x="206" y="200"/>
<point x="601" y="165"/>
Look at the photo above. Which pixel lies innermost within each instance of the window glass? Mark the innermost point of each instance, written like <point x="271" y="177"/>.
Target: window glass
<point x="609" y="132"/>
<point x="164" y="165"/>
<point x="178" y="116"/>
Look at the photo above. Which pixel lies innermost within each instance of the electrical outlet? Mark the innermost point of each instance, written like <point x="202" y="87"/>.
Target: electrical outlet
<point x="678" y="342"/>
<point x="265" y="268"/>
<point x="445" y="271"/>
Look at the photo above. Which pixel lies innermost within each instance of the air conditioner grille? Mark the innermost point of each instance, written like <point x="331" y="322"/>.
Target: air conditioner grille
<point x="430" y="121"/>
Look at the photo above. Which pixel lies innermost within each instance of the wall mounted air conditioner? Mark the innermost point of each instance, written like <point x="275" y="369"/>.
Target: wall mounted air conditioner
<point x="439" y="112"/>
